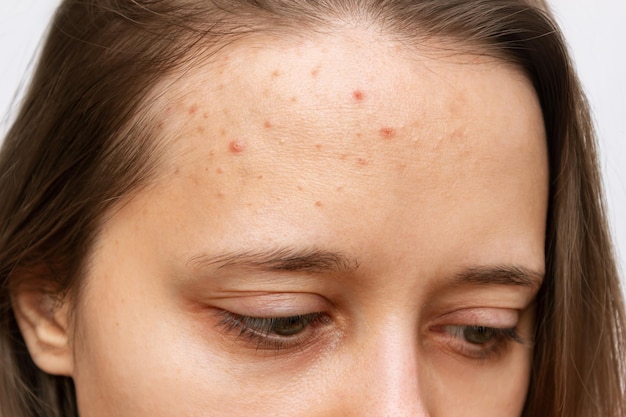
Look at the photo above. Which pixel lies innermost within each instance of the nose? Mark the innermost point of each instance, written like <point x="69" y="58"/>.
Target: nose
<point x="385" y="380"/>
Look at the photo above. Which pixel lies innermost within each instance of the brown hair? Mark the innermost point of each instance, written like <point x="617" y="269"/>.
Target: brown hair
<point x="84" y="139"/>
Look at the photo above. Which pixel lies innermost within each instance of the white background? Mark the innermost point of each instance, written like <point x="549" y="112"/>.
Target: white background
<point x="595" y="29"/>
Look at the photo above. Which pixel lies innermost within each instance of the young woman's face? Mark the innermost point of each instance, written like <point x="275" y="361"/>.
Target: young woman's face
<point x="341" y="228"/>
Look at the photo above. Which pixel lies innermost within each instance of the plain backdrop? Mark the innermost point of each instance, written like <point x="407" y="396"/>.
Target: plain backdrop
<point x="595" y="30"/>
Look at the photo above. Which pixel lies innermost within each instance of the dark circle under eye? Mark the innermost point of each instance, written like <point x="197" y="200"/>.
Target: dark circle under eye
<point x="479" y="335"/>
<point x="289" y="326"/>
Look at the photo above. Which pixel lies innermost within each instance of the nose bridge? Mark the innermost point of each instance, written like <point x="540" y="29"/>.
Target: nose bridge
<point x="390" y="375"/>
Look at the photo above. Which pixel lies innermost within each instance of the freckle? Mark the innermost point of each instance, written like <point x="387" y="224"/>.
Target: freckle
<point x="237" y="146"/>
<point x="275" y="73"/>
<point x="220" y="170"/>
<point x="387" y="132"/>
<point x="299" y="188"/>
<point x="343" y="156"/>
<point x="358" y="95"/>
<point x="177" y="171"/>
<point x="193" y="109"/>
<point x="340" y="188"/>
<point x="362" y="161"/>
<point x="359" y="135"/>
<point x="293" y="99"/>
<point x="267" y="124"/>
<point x="315" y="72"/>
<point x="200" y="130"/>
<point x="318" y="147"/>
<point x="220" y="194"/>
<point x="159" y="126"/>
<point x="318" y="204"/>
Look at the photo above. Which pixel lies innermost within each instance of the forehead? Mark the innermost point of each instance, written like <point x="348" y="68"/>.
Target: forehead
<point x="273" y="129"/>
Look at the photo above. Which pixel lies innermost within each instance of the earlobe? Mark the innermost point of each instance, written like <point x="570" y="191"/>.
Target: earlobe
<point x="43" y="322"/>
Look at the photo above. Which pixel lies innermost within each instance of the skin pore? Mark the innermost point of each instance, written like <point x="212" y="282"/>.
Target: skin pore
<point x="342" y="229"/>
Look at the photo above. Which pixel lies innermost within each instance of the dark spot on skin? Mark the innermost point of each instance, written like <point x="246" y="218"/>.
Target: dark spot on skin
<point x="267" y="124"/>
<point x="159" y="126"/>
<point x="358" y="95"/>
<point x="359" y="135"/>
<point x="200" y="130"/>
<point x="343" y="156"/>
<point x="340" y="188"/>
<point x="220" y="170"/>
<point x="387" y="132"/>
<point x="315" y="72"/>
<point x="220" y="194"/>
<point x="318" y="147"/>
<point x="299" y="188"/>
<point x="177" y="171"/>
<point x="362" y="161"/>
<point x="293" y="99"/>
<point x="260" y="177"/>
<point x="275" y="73"/>
<point x="222" y="132"/>
<point x="237" y="146"/>
<point x="318" y="204"/>
<point x="193" y="109"/>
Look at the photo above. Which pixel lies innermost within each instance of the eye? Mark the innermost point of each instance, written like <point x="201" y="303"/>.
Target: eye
<point x="479" y="342"/>
<point x="273" y="333"/>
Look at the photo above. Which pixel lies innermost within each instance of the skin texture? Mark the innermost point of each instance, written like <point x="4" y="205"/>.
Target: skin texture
<point x="410" y="166"/>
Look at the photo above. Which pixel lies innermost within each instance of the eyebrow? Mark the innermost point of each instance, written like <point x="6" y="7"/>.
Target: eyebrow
<point x="512" y="275"/>
<point x="317" y="261"/>
<point x="312" y="260"/>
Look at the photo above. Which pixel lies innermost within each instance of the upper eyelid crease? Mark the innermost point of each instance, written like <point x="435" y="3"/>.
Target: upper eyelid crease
<point x="284" y="259"/>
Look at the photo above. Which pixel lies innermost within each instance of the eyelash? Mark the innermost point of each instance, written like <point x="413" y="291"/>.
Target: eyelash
<point x="498" y="341"/>
<point x="261" y="332"/>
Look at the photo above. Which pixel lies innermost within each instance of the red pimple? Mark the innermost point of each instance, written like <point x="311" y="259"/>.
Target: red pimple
<point x="237" y="146"/>
<point x="358" y="95"/>
<point x="387" y="132"/>
<point x="220" y="170"/>
<point x="318" y="204"/>
<point x="267" y="124"/>
<point x="193" y="109"/>
<point x="318" y="147"/>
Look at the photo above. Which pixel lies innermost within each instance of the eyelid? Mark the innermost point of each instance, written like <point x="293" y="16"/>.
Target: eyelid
<point x="486" y="317"/>
<point x="269" y="304"/>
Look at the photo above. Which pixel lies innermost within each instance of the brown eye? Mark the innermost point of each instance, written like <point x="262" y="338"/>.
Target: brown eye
<point x="288" y="326"/>
<point x="479" y="335"/>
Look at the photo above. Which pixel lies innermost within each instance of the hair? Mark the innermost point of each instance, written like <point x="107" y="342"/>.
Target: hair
<point x="85" y="139"/>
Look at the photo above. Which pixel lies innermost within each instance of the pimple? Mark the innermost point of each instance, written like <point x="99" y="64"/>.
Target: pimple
<point x="362" y="161"/>
<point x="267" y="124"/>
<point x="318" y="146"/>
<point x="237" y="146"/>
<point x="358" y="95"/>
<point x="318" y="204"/>
<point x="205" y="115"/>
<point x="193" y="109"/>
<point x="387" y="132"/>
<point x="220" y="170"/>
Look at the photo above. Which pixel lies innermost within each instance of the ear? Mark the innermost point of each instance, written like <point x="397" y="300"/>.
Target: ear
<point x="43" y="321"/>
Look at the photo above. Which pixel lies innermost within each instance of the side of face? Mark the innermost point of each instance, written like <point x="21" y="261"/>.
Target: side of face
<point x="342" y="229"/>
